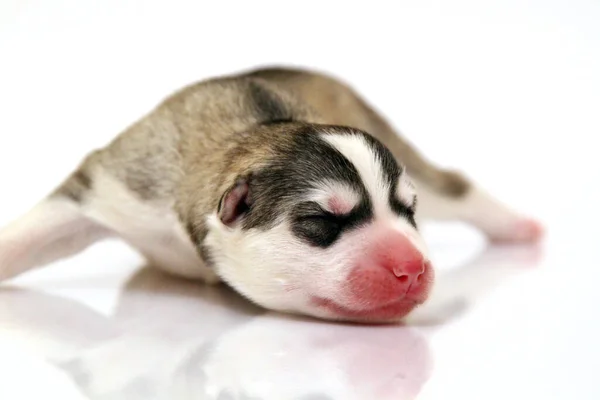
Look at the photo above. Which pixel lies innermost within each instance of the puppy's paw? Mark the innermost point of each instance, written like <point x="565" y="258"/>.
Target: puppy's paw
<point x="521" y="230"/>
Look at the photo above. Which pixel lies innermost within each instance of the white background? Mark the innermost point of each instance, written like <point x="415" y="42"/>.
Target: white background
<point x="507" y="91"/>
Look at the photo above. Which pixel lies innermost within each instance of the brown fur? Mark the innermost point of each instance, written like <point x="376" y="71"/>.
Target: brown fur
<point x="196" y="143"/>
<point x="340" y="105"/>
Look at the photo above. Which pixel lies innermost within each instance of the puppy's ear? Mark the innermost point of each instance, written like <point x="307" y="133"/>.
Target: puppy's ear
<point x="235" y="202"/>
<point x="54" y="229"/>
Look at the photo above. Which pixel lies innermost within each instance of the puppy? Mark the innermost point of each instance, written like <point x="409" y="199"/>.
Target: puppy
<point x="283" y="183"/>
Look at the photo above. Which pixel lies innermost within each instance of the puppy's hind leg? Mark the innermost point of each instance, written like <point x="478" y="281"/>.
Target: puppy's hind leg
<point x="474" y="206"/>
<point x="446" y="195"/>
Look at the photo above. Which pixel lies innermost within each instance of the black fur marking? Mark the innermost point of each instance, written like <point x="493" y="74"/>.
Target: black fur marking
<point x="392" y="171"/>
<point x="267" y="105"/>
<point x="305" y="161"/>
<point x="194" y="233"/>
<point x="390" y="167"/>
<point x="197" y="236"/>
<point x="206" y="256"/>
<point x="77" y="186"/>
<point x="142" y="181"/>
<point x="400" y="208"/>
<point x="321" y="228"/>
<point x="300" y="163"/>
<point x="283" y="121"/>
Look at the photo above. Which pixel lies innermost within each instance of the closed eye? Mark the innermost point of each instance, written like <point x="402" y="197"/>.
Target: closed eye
<point x="401" y="209"/>
<point x="411" y="203"/>
<point x="322" y="228"/>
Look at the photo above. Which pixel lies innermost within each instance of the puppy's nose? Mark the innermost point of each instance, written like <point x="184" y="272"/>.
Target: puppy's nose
<point x="408" y="279"/>
<point x="405" y="262"/>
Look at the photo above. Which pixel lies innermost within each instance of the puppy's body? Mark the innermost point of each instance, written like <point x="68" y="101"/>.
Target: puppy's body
<point x="208" y="186"/>
<point x="162" y="161"/>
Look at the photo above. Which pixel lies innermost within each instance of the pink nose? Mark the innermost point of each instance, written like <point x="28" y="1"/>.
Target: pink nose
<point x="405" y="262"/>
<point x="393" y="270"/>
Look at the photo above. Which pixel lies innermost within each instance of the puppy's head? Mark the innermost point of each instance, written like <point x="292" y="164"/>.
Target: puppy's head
<point x="322" y="225"/>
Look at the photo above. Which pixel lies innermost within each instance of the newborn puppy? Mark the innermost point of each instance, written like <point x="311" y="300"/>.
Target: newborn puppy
<point x="282" y="183"/>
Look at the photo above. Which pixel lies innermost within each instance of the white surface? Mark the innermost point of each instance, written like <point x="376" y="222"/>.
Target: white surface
<point x="508" y="91"/>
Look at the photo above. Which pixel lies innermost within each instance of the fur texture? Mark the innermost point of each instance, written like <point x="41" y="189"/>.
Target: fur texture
<point x="283" y="183"/>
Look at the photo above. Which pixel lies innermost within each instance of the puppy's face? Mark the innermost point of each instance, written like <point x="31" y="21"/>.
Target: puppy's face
<point x="325" y="228"/>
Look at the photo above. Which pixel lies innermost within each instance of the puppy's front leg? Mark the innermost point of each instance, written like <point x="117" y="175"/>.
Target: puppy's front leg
<point x="54" y="229"/>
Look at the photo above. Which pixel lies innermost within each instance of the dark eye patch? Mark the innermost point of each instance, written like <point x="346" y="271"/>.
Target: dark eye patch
<point x="321" y="228"/>
<point x="320" y="231"/>
<point x="402" y="209"/>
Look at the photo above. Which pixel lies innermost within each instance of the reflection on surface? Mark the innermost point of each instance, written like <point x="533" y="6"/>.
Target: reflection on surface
<point x="456" y="290"/>
<point x="174" y="339"/>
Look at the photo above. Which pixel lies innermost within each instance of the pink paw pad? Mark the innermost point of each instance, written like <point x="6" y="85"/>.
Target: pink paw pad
<point x="523" y="230"/>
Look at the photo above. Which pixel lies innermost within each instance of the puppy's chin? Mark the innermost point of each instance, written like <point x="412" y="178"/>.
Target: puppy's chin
<point x="374" y="295"/>
<point x="389" y="313"/>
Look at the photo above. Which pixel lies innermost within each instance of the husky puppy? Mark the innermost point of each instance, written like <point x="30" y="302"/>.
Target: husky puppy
<point x="283" y="183"/>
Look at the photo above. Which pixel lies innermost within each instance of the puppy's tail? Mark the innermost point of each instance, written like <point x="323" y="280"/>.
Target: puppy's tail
<point x="54" y="229"/>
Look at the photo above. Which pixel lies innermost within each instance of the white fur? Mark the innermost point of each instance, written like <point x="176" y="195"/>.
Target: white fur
<point x="406" y="190"/>
<point x="361" y="155"/>
<point x="271" y="267"/>
<point x="327" y="189"/>
<point x="279" y="271"/>
<point x="52" y="230"/>
<point x="58" y="228"/>
<point x="357" y="151"/>
<point x="153" y="229"/>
